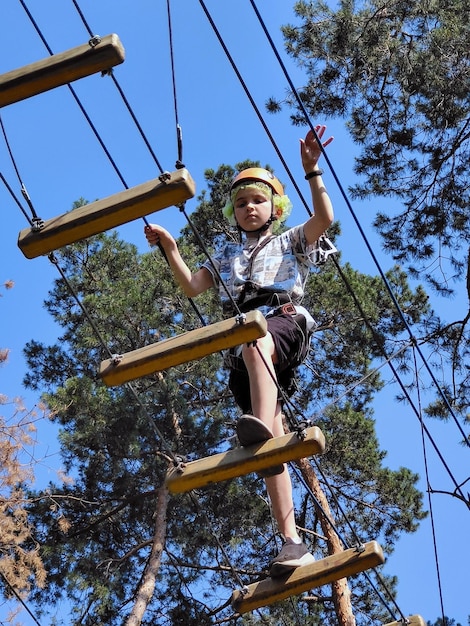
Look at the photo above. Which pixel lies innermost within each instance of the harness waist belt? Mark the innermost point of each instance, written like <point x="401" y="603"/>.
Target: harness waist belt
<point x="268" y="298"/>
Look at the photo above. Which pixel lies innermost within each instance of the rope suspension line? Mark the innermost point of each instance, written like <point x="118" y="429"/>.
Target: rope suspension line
<point x="426" y="471"/>
<point x="121" y="93"/>
<point x="335" y="529"/>
<point x="35" y="221"/>
<point x="19" y="598"/>
<point x="388" y="360"/>
<point x="179" y="135"/>
<point x="165" y="445"/>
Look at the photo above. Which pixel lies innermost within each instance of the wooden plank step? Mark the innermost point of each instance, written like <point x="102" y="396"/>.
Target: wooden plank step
<point x="412" y="620"/>
<point x="241" y="461"/>
<point x="189" y="346"/>
<point x="60" y="69"/>
<point x="97" y="217"/>
<point x="302" y="579"/>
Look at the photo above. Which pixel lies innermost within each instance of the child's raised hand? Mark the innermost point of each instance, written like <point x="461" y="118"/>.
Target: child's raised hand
<point x="310" y="149"/>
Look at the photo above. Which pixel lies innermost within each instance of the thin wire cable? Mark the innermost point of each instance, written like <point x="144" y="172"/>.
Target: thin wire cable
<point x="179" y="137"/>
<point x="165" y="445"/>
<point x="81" y="107"/>
<point x="253" y="104"/>
<point x="221" y="547"/>
<point x="121" y="93"/>
<point x="361" y="231"/>
<point x="20" y="599"/>
<point x="35" y="219"/>
<point x="204" y="248"/>
<point x="335" y="529"/>
<point x="12" y="193"/>
<point x="397" y="376"/>
<point x="428" y="485"/>
<point x="147" y="143"/>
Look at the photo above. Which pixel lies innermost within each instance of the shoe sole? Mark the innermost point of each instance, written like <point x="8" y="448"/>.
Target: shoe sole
<point x="281" y="569"/>
<point x="250" y="431"/>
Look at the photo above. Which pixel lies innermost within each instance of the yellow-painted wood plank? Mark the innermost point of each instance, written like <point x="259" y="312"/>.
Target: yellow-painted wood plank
<point x="302" y="579"/>
<point x="189" y="346"/>
<point x="97" y="217"/>
<point x="412" y="620"/>
<point x="241" y="461"/>
<point x="60" y="69"/>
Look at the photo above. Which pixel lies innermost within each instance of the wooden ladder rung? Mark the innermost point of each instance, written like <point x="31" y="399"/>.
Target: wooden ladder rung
<point x="60" y="69"/>
<point x="412" y="620"/>
<point x="241" y="461"/>
<point x="316" y="574"/>
<point x="189" y="346"/>
<point x="97" y="217"/>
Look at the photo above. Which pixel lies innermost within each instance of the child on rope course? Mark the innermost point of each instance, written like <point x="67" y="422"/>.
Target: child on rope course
<point x="267" y="272"/>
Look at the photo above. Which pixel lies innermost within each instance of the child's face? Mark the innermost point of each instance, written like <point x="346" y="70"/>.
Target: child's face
<point x="252" y="209"/>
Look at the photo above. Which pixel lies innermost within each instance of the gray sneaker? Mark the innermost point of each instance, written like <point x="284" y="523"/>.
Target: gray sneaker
<point x="291" y="556"/>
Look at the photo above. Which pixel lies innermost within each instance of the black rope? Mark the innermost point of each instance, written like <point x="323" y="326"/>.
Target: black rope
<point x="204" y="248"/>
<point x="335" y="529"/>
<point x="179" y="135"/>
<point x="19" y="598"/>
<point x="35" y="219"/>
<point x="121" y="93"/>
<point x="16" y="199"/>
<point x="428" y="485"/>
<point x="164" y="443"/>
<point x="139" y="127"/>
<point x="398" y="378"/>
<point x="255" y="107"/>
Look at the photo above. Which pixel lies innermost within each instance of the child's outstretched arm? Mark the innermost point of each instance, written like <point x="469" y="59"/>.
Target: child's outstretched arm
<point x="310" y="152"/>
<point x="191" y="283"/>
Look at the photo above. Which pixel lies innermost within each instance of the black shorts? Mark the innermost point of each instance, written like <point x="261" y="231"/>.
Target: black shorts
<point x="291" y="344"/>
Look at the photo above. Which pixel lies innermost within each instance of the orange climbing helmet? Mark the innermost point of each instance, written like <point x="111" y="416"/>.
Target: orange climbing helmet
<point x="281" y="206"/>
<point x="258" y="174"/>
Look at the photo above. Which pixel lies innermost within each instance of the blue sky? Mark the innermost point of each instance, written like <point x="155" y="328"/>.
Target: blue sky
<point x="60" y="160"/>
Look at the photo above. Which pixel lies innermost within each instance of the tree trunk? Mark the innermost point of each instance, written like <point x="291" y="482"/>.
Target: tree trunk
<point x="147" y="586"/>
<point x="340" y="591"/>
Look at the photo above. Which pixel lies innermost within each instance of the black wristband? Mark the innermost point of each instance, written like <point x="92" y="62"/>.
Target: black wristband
<point x="312" y="174"/>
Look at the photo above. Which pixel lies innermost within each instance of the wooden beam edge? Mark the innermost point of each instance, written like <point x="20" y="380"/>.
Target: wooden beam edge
<point x="60" y="69"/>
<point x="317" y="574"/>
<point x="107" y="213"/>
<point x="241" y="461"/>
<point x="189" y="346"/>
